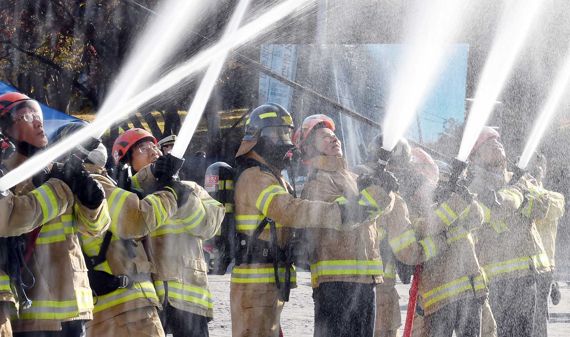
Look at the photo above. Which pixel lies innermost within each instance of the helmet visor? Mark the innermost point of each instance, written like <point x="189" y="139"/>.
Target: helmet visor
<point x="278" y="134"/>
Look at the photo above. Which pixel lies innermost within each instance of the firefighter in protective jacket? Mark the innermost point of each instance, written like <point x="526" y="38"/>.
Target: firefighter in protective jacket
<point x="60" y="296"/>
<point x="508" y="245"/>
<point x="345" y="265"/>
<point x="180" y="277"/>
<point x="266" y="214"/>
<point x="119" y="268"/>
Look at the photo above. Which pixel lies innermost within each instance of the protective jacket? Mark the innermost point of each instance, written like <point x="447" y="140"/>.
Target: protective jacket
<point x="131" y="219"/>
<point x="508" y="243"/>
<point x="61" y="290"/>
<point x="548" y="226"/>
<point x="455" y="273"/>
<point x="20" y="214"/>
<point x="335" y="256"/>
<point x="262" y="193"/>
<point x="181" y="270"/>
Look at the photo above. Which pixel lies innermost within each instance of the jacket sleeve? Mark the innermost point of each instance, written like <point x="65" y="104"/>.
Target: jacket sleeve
<point x="202" y="215"/>
<point x="403" y="238"/>
<point x="21" y="214"/>
<point x="271" y="199"/>
<point x="457" y="212"/>
<point x="501" y="217"/>
<point x="131" y="217"/>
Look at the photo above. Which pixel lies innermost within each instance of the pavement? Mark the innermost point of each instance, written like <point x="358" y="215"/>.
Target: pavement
<point x="297" y="317"/>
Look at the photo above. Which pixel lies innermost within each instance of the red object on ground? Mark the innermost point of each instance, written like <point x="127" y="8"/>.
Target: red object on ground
<point x="280" y="332"/>
<point x="412" y="302"/>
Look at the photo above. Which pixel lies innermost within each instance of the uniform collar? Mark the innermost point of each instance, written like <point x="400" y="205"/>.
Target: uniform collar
<point x="255" y="156"/>
<point x="327" y="163"/>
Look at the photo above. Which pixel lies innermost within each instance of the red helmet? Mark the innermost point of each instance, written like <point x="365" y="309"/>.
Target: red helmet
<point x="11" y="100"/>
<point x="308" y="125"/>
<point x="128" y="139"/>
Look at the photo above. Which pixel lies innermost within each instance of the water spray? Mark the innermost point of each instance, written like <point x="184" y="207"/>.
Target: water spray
<point x="426" y="51"/>
<point x="514" y="28"/>
<point x="204" y="91"/>
<point x="158" y="42"/>
<point x="122" y="111"/>
<point x="546" y="115"/>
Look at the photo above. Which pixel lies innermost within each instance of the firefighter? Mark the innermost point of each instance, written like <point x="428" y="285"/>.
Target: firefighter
<point x="547" y="229"/>
<point x="345" y="265"/>
<point x="266" y="214"/>
<point x="119" y="268"/>
<point x="452" y="287"/>
<point x="166" y="144"/>
<point x="19" y="215"/>
<point x="176" y="248"/>
<point x="60" y="295"/>
<point x="508" y="245"/>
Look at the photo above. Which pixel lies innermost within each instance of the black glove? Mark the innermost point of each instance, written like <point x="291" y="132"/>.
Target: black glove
<point x="384" y="179"/>
<point x="166" y="167"/>
<point x="555" y="294"/>
<point x="41" y="177"/>
<point x="89" y="192"/>
<point x="181" y="191"/>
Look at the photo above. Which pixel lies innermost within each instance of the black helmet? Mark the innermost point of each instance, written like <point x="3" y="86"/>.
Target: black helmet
<point x="265" y="116"/>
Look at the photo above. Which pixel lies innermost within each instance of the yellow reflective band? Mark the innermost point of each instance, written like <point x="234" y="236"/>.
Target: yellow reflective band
<point x="381" y="233"/>
<point x="5" y="283"/>
<point x="541" y="261"/>
<point x="452" y="289"/>
<point x="367" y="200"/>
<point x="91" y="244"/>
<point x="250" y="222"/>
<point x="116" y="201"/>
<point x="187" y="293"/>
<point x="48" y="202"/>
<point x="430" y="250"/>
<point x="341" y="200"/>
<point x="55" y="232"/>
<point x="270" y="114"/>
<point x="160" y="212"/>
<point x="403" y="240"/>
<point x="346" y="268"/>
<point x="135" y="182"/>
<point x="259" y="275"/>
<point x="41" y="309"/>
<point x="266" y="196"/>
<point x="503" y="267"/>
<point x="457" y="233"/>
<point x="139" y="290"/>
<point x="229" y="185"/>
<point x="446" y="214"/>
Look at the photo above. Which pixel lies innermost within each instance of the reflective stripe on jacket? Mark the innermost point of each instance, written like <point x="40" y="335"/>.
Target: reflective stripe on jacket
<point x="132" y="218"/>
<point x="65" y="294"/>
<point x="177" y="252"/>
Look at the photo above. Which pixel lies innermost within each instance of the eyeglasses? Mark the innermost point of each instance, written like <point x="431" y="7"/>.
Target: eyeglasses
<point x="28" y="117"/>
<point x="147" y="148"/>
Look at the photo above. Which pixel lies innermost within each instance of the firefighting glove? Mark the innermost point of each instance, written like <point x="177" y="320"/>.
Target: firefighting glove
<point x="384" y="179"/>
<point x="166" y="167"/>
<point x="88" y="191"/>
<point x="41" y="177"/>
<point x="181" y="191"/>
<point x="555" y="294"/>
<point x="351" y="213"/>
<point x="445" y="189"/>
